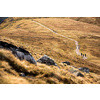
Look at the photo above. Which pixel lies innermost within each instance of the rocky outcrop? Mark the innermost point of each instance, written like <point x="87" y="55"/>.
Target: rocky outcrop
<point x="46" y="60"/>
<point x="19" y="52"/>
<point x="84" y="69"/>
<point x="66" y="62"/>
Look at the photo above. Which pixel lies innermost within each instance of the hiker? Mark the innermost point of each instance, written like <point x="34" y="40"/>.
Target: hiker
<point x="81" y="54"/>
<point x="85" y="55"/>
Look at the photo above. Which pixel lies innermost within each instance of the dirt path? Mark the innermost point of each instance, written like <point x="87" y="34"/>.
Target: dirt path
<point x="76" y="42"/>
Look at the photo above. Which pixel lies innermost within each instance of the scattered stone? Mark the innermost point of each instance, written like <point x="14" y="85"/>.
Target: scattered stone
<point x="80" y="74"/>
<point x="46" y="60"/>
<point x="34" y="53"/>
<point x="22" y="74"/>
<point x="76" y="72"/>
<point x="84" y="69"/>
<point x="66" y="62"/>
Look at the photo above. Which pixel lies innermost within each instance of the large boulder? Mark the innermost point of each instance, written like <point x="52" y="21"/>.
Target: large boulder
<point x="27" y="56"/>
<point x="76" y="72"/>
<point x="66" y="62"/>
<point x="11" y="47"/>
<point x="8" y="46"/>
<point x="19" y="52"/>
<point x="30" y="58"/>
<point x="23" y="50"/>
<point x="46" y="60"/>
<point x="22" y="55"/>
<point x="84" y="69"/>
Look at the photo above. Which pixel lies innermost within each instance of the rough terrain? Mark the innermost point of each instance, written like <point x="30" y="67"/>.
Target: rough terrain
<point x="61" y="39"/>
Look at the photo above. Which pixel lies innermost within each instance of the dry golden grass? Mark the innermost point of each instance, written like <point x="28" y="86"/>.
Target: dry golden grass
<point x="39" y="41"/>
<point x="87" y="35"/>
<point x="90" y="20"/>
<point x="11" y="67"/>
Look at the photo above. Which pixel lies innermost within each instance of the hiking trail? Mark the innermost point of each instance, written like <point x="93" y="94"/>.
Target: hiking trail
<point x="76" y="42"/>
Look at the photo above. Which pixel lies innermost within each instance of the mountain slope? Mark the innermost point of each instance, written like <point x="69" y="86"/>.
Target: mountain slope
<point x="11" y="67"/>
<point x="40" y="41"/>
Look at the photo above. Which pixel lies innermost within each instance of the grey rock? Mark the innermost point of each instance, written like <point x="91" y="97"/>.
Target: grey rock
<point x="23" y="50"/>
<point x="19" y="55"/>
<point x="66" y="62"/>
<point x="30" y="59"/>
<point x="19" y="52"/>
<point x="46" y="60"/>
<point x="22" y="74"/>
<point x="84" y="69"/>
<point x="6" y="45"/>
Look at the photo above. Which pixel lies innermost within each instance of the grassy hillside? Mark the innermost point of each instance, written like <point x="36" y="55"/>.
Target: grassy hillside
<point x="86" y="34"/>
<point x="90" y="20"/>
<point x="11" y="67"/>
<point x="39" y="41"/>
